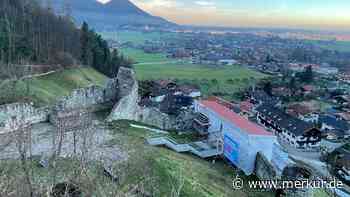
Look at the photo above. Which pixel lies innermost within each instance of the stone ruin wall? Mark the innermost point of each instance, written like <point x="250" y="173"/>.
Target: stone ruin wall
<point x="92" y="95"/>
<point x="127" y="107"/>
<point x="25" y="113"/>
<point x="83" y="97"/>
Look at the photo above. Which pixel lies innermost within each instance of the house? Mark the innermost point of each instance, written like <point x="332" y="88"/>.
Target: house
<point x="259" y="97"/>
<point x="290" y="131"/>
<point x="342" y="100"/>
<point x="246" y="108"/>
<point x="327" y="70"/>
<point x="173" y="104"/>
<point x="303" y="112"/>
<point x="159" y="89"/>
<point x="344" y="166"/>
<point x="344" y="116"/>
<point x="334" y="127"/>
<point x="189" y="90"/>
<point x="308" y="89"/>
<point x="341" y="163"/>
<point x="201" y="124"/>
<point x="281" y="92"/>
<point x="229" y="62"/>
<point x="241" y="138"/>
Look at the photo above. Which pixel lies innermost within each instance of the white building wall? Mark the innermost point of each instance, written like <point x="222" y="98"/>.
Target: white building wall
<point x="249" y="145"/>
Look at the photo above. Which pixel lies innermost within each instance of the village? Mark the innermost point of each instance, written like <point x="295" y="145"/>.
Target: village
<point x="295" y="124"/>
<point x="300" y="117"/>
<point x="301" y="134"/>
<point x="131" y="98"/>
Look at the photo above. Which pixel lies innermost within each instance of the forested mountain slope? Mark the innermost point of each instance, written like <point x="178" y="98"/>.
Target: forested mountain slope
<point x="32" y="34"/>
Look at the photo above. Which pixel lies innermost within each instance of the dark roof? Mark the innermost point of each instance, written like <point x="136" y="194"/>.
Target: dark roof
<point x="263" y="97"/>
<point x="334" y="122"/>
<point x="336" y="132"/>
<point x="284" y="120"/>
<point x="172" y="104"/>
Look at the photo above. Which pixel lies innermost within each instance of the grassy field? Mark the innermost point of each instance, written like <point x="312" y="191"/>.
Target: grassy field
<point x="223" y="81"/>
<point x="137" y="37"/>
<point x="141" y="57"/>
<point x="47" y="89"/>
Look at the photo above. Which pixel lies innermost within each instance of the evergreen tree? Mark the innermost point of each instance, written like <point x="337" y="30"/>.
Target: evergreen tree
<point x="85" y="48"/>
<point x="308" y="74"/>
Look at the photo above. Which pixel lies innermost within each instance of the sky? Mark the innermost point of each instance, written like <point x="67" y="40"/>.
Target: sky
<point x="310" y="14"/>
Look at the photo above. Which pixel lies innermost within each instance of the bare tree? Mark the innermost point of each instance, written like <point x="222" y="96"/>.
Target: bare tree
<point x="22" y="137"/>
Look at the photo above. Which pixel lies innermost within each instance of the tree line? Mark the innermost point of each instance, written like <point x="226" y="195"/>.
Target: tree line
<point x="33" y="34"/>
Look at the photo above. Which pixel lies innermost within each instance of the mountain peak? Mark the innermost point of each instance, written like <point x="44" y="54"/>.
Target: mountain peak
<point x="111" y="14"/>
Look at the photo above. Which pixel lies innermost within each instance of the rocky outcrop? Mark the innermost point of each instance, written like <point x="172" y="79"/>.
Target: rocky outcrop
<point x="127" y="107"/>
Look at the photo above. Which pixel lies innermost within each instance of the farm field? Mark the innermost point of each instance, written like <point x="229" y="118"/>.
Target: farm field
<point x="223" y="80"/>
<point x="45" y="90"/>
<point x="138" y="56"/>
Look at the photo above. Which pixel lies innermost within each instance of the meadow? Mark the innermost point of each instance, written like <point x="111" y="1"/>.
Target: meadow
<point x="45" y="90"/>
<point x="223" y="81"/>
<point x="138" y="56"/>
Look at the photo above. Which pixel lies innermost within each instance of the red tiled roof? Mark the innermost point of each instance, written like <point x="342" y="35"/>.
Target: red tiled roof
<point x="244" y="124"/>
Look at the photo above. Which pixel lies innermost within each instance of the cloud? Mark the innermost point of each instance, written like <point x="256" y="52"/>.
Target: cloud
<point x="156" y="4"/>
<point x="103" y="1"/>
<point x="239" y="13"/>
<point x="204" y="3"/>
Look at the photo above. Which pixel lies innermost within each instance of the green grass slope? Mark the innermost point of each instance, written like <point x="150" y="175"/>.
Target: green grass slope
<point x="169" y="170"/>
<point x="157" y="171"/>
<point x="45" y="90"/>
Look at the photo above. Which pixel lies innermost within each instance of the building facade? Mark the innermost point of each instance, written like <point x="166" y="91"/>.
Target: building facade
<point x="242" y="139"/>
<point x="289" y="130"/>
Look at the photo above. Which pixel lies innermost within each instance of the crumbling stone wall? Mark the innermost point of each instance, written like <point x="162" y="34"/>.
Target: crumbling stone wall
<point x="127" y="107"/>
<point x="26" y="112"/>
<point x="127" y="81"/>
<point x="82" y="98"/>
<point x="111" y="90"/>
<point x="79" y="98"/>
<point x="89" y="96"/>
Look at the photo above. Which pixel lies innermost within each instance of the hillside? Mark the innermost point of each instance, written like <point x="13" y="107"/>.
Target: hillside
<point x="32" y="36"/>
<point x="111" y="15"/>
<point x="45" y="90"/>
